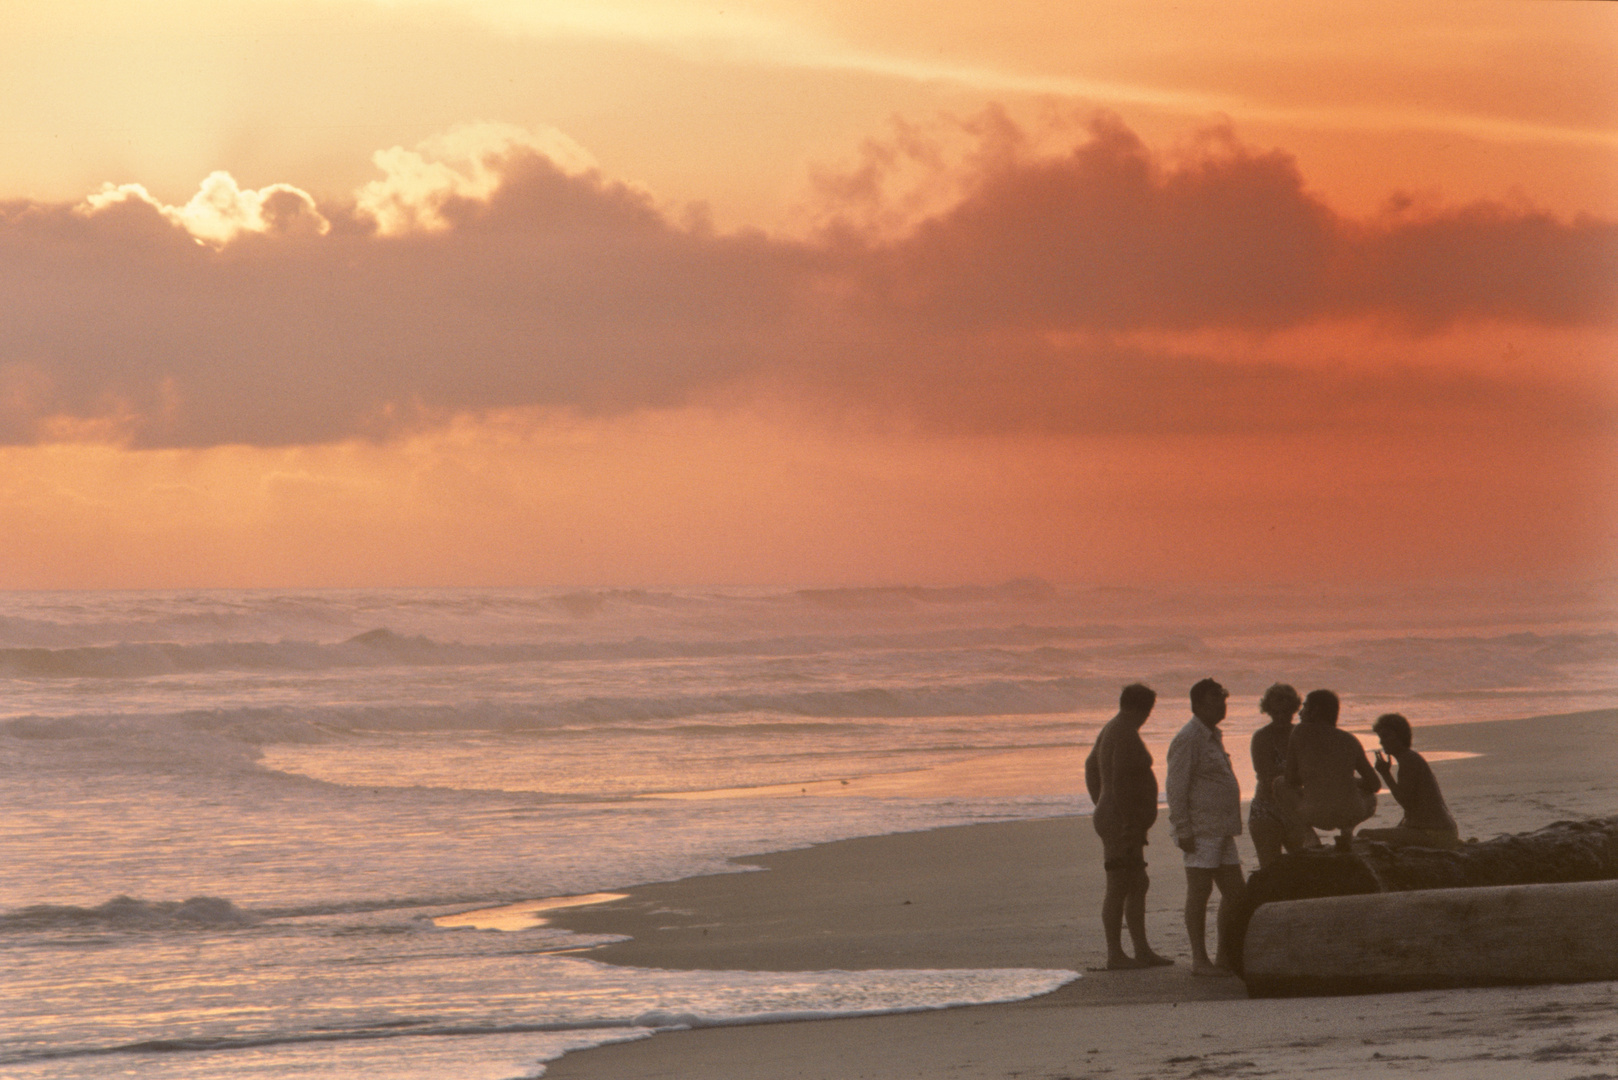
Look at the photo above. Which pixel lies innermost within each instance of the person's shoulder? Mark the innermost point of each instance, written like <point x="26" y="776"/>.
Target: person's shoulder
<point x="1190" y="730"/>
<point x="1311" y="738"/>
<point x="1126" y="737"/>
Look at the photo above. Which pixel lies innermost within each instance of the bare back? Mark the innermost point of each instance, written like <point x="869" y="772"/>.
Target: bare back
<point x="1326" y="766"/>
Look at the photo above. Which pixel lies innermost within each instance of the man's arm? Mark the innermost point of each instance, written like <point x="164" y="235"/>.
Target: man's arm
<point x="1384" y="766"/>
<point x="1092" y="775"/>
<point x="1369" y="783"/>
<point x="1263" y="755"/>
<point x="1177" y="786"/>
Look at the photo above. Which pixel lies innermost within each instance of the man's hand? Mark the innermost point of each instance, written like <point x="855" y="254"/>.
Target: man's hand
<point x="1188" y="844"/>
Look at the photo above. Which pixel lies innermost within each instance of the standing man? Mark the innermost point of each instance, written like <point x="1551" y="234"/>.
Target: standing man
<point x="1268" y="823"/>
<point x="1205" y="812"/>
<point x="1123" y="788"/>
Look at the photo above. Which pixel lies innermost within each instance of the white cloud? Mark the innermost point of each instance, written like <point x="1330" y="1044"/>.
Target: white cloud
<point x="463" y="163"/>
<point x="222" y="210"/>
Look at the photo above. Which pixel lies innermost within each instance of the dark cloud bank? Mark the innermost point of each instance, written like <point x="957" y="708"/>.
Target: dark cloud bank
<point x="1007" y="312"/>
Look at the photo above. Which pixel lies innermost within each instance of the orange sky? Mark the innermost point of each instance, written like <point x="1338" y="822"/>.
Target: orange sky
<point x="341" y="292"/>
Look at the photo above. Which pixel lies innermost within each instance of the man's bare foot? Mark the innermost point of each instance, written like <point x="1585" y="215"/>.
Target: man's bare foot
<point x="1146" y="958"/>
<point x="1204" y="968"/>
<point x="1122" y="962"/>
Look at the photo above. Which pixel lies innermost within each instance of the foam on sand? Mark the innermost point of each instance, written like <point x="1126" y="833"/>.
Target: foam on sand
<point x="523" y="915"/>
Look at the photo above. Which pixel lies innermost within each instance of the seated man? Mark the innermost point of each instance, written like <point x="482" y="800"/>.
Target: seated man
<point x="1320" y="786"/>
<point x="1427" y="821"/>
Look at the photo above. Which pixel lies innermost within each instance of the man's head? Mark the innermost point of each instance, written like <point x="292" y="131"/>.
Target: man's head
<point x="1137" y="699"/>
<point x="1208" y="701"/>
<point x="1394" y="731"/>
<point x="1320" y="707"/>
<point x="1280" y="702"/>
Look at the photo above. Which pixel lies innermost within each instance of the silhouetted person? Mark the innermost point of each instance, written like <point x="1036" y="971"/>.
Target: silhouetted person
<point x="1427" y="821"/>
<point x="1205" y="812"/>
<point x="1329" y="782"/>
<point x="1270" y="826"/>
<point x="1118" y="774"/>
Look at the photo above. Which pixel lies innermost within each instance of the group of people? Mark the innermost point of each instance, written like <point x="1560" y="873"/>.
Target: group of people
<point x="1309" y="775"/>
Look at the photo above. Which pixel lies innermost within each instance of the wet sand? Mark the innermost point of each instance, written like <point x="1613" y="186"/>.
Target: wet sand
<point x="1027" y="894"/>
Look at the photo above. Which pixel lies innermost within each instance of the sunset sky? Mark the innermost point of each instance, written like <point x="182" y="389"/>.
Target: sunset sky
<point x="623" y="292"/>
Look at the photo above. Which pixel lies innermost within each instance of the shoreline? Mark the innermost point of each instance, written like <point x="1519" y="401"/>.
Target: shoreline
<point x="1027" y="894"/>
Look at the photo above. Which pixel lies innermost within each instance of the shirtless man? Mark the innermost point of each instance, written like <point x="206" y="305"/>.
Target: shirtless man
<point x="1427" y="821"/>
<point x="1118" y="774"/>
<point x="1321" y="787"/>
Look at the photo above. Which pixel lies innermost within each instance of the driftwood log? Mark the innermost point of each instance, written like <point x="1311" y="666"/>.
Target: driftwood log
<point x="1384" y="918"/>
<point x="1488" y="936"/>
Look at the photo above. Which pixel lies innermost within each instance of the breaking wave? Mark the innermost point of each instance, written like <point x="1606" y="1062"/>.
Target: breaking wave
<point x="1503" y="657"/>
<point x="127" y="913"/>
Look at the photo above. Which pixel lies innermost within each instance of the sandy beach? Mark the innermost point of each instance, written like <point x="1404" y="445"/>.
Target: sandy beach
<point x="1027" y="894"/>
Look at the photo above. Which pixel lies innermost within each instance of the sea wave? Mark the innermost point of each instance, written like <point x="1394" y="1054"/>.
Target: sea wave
<point x="374" y="648"/>
<point x="736" y="712"/>
<point x="65" y="620"/>
<point x="934" y="655"/>
<point x="649" y="1001"/>
<point x="128" y="913"/>
<point x="383" y="647"/>
<point x="1020" y="591"/>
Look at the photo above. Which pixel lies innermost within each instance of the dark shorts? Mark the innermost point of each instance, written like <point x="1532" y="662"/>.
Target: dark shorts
<point x="1124" y="852"/>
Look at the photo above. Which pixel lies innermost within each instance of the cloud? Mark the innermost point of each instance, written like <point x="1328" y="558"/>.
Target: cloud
<point x="466" y="164"/>
<point x="496" y="268"/>
<point x="221" y="211"/>
<point x="1109" y="235"/>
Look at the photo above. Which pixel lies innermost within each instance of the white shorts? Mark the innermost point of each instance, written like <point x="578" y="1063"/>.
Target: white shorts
<point x="1212" y="853"/>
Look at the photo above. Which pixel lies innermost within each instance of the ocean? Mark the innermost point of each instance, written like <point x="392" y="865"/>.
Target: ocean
<point x="243" y="830"/>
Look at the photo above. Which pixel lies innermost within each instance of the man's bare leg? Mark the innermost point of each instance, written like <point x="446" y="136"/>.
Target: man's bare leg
<point x="1112" y="918"/>
<point x="1231" y="891"/>
<point x="1198" y="888"/>
<point x="1135" y="915"/>
<point x="1345" y="837"/>
<point x="1300" y="838"/>
<point x="1126" y="902"/>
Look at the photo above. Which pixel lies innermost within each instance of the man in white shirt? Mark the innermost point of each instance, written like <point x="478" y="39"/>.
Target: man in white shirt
<point x="1205" y="815"/>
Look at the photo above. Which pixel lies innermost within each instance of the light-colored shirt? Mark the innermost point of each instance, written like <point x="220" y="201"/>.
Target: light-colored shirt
<point x="1204" y="798"/>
